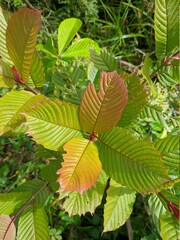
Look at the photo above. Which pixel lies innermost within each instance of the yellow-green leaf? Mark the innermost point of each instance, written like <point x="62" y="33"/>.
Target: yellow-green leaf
<point x="12" y="105"/>
<point x="10" y="202"/>
<point x="157" y="209"/>
<point x="81" y="167"/>
<point x="133" y="162"/>
<point x="33" y="224"/>
<point x="166" y="27"/>
<point x="170" y="149"/>
<point x="4" y="18"/>
<point x="136" y="99"/>
<point x="99" y="112"/>
<point x="80" y="48"/>
<point x="66" y="32"/>
<point x="76" y="203"/>
<point x="118" y="206"/>
<point x="21" y="41"/>
<point x="54" y="123"/>
<point x="6" y="76"/>
<point x="169" y="227"/>
<point x="37" y="71"/>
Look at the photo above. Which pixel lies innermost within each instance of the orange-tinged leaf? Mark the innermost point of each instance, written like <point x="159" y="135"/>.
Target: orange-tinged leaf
<point x="99" y="112"/>
<point x="75" y="203"/>
<point x="21" y="41"/>
<point x="7" y="228"/>
<point x="81" y="167"/>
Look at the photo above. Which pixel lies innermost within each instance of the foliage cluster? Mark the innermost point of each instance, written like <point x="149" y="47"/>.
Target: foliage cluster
<point x="84" y="112"/>
<point x="122" y="26"/>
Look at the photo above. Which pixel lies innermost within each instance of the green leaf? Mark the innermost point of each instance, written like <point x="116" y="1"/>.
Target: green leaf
<point x="49" y="173"/>
<point x="70" y="84"/>
<point x="6" y="76"/>
<point x="54" y="123"/>
<point x="80" y="48"/>
<point x="104" y="61"/>
<point x="166" y="27"/>
<point x="76" y="203"/>
<point x="136" y="100"/>
<point x="4" y="18"/>
<point x="37" y="71"/>
<point x="10" y="202"/>
<point x="132" y="162"/>
<point x="92" y="73"/>
<point x="100" y="112"/>
<point x="118" y="206"/>
<point x="169" y="75"/>
<point x="22" y="128"/>
<point x="169" y="194"/>
<point x="157" y="209"/>
<point x="21" y="41"/>
<point x="146" y="72"/>
<point x="155" y="113"/>
<point x="46" y="153"/>
<point x="81" y="167"/>
<point x="33" y="224"/>
<point x="12" y="105"/>
<point x="169" y="227"/>
<point x="170" y="149"/>
<point x="7" y="228"/>
<point x="48" y="47"/>
<point x="66" y="32"/>
<point x="37" y="187"/>
<point x="152" y="236"/>
<point x="77" y="74"/>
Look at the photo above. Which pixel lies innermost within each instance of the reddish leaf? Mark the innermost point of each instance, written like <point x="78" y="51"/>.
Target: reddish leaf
<point x="21" y="39"/>
<point x="99" y="112"/>
<point x="7" y="228"/>
<point x="81" y="167"/>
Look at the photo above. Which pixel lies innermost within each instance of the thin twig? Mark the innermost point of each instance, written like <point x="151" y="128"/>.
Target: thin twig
<point x="31" y="89"/>
<point x="23" y="83"/>
<point x="29" y="4"/>
<point x="129" y="230"/>
<point x="7" y="77"/>
<point x="13" y="218"/>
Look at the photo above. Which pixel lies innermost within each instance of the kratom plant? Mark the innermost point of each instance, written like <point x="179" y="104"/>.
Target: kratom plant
<point x="100" y="151"/>
<point x="66" y="33"/>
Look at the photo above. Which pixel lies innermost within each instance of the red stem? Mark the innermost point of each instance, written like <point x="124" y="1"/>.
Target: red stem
<point x="13" y="218"/>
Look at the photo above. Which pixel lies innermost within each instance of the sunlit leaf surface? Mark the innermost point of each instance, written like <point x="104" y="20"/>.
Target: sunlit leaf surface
<point x="76" y="203"/>
<point x="21" y="41"/>
<point x="81" y="167"/>
<point x="12" y="105"/>
<point x="132" y="162"/>
<point x="54" y="123"/>
<point x="99" y="112"/>
<point x="33" y="224"/>
<point x="7" y="228"/>
<point x="118" y="206"/>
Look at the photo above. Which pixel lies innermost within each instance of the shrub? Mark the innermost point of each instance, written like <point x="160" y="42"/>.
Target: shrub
<point x="87" y="120"/>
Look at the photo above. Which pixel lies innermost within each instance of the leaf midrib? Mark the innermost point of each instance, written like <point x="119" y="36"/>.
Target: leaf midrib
<point x="128" y="158"/>
<point x="72" y="175"/>
<point x="54" y="123"/>
<point x="104" y="96"/>
<point x="24" y="53"/>
<point x="15" y="114"/>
